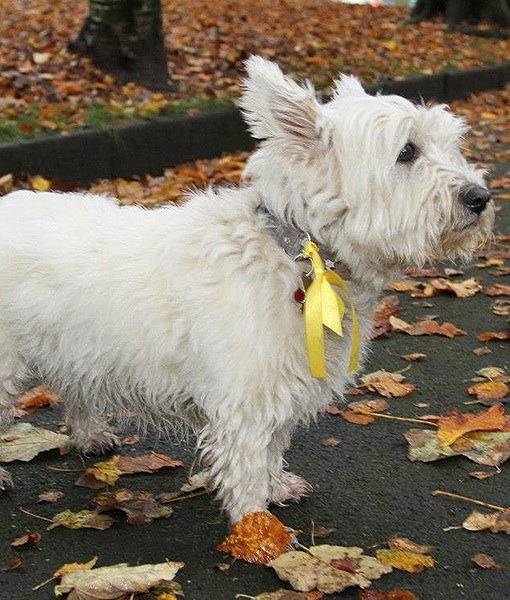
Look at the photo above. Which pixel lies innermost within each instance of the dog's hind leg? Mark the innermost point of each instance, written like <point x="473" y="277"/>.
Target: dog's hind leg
<point x="13" y="371"/>
<point x="237" y="454"/>
<point x="284" y="485"/>
<point x="90" y="430"/>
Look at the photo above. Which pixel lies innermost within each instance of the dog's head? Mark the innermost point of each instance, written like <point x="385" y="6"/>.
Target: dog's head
<point x="377" y="178"/>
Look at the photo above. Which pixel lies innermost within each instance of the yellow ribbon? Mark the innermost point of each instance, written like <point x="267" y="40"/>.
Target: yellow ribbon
<point x="324" y="307"/>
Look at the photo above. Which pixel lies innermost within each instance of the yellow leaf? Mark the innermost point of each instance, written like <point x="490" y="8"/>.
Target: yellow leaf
<point x="405" y="560"/>
<point x="390" y="44"/>
<point x="39" y="184"/>
<point x="488" y="115"/>
<point x="107" y="471"/>
<point x="72" y="567"/>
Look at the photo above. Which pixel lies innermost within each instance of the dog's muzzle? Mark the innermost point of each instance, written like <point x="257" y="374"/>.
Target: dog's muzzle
<point x="475" y="198"/>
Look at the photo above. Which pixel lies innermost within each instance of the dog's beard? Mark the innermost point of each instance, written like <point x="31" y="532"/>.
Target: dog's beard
<point x="466" y="234"/>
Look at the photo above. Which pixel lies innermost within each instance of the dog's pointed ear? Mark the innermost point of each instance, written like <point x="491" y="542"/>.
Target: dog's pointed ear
<point x="348" y="85"/>
<point x="275" y="106"/>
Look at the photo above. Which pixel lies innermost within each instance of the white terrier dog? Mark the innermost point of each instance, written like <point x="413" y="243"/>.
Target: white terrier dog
<point x="188" y="312"/>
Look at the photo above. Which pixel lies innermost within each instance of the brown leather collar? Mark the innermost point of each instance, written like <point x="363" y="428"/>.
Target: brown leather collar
<point x="290" y="238"/>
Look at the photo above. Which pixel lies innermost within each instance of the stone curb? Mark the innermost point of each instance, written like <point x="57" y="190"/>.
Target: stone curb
<point x="151" y="146"/>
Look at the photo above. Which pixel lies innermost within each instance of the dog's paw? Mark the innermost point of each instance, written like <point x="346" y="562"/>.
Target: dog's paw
<point x="97" y="443"/>
<point x="289" y="488"/>
<point x="5" y="479"/>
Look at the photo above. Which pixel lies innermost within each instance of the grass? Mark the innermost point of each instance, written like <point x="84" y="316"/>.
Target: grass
<point x="100" y="115"/>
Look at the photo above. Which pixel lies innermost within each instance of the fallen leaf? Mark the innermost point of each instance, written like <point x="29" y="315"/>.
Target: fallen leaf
<point x="452" y="272"/>
<point x="426" y="327"/>
<point x="387" y="384"/>
<point x="484" y="561"/>
<point x="456" y="424"/>
<point x="198" y="481"/>
<point x="258" y="538"/>
<point x="497" y="290"/>
<point x="23" y="442"/>
<point x="364" y="406"/>
<point x="40" y="58"/>
<point x="387" y="595"/>
<point x="485" y="448"/>
<point x="6" y="183"/>
<point x="306" y="571"/>
<point x="388" y="306"/>
<point x="131" y="440"/>
<point x="321" y="532"/>
<point x="36" y="398"/>
<point x="481" y="351"/>
<point x="289" y="595"/>
<point x="330" y="441"/>
<point x="51" y="496"/>
<point x="84" y="519"/>
<point x="461" y="289"/>
<point x="357" y="418"/>
<point x="15" y="563"/>
<point x="501" y="308"/>
<point x="489" y="390"/>
<point x="405" y="560"/>
<point x="73" y="567"/>
<point x="111" y="583"/>
<point x="29" y="539"/>
<point x="401" y="543"/>
<point x="413" y="356"/>
<point x="109" y="471"/>
<point x="496" y="522"/>
<point x="39" y="184"/>
<point x="139" y="507"/>
<point x="482" y="474"/>
<point x="423" y="273"/>
<point x="489" y="336"/>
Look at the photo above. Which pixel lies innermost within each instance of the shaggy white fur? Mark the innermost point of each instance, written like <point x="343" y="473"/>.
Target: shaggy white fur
<point x="187" y="312"/>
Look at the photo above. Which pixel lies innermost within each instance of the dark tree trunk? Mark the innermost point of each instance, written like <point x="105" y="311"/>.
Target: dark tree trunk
<point x="457" y="11"/>
<point x="125" y="38"/>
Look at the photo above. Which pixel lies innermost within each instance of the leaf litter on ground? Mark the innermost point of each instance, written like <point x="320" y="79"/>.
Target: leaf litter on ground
<point x="24" y="442"/>
<point x="108" y="472"/>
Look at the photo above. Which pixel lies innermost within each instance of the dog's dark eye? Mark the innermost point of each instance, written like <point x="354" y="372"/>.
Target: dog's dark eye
<point x="408" y="153"/>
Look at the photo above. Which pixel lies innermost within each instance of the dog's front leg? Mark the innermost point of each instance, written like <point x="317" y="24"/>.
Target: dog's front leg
<point x="90" y="432"/>
<point x="284" y="485"/>
<point x="237" y="454"/>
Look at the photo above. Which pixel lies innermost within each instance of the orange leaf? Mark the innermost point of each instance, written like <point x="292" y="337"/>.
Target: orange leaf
<point x="37" y="397"/>
<point x="258" y="538"/>
<point x="489" y="390"/>
<point x="456" y="424"/>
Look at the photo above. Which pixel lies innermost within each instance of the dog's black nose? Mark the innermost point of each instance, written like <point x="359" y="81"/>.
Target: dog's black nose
<point x="474" y="197"/>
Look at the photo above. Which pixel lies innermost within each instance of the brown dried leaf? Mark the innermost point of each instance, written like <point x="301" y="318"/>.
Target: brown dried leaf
<point x="496" y="522"/>
<point x="306" y="571"/>
<point x="73" y="567"/>
<point x="414" y="356"/>
<point x="388" y="306"/>
<point x="387" y="384"/>
<point x="330" y="441"/>
<point x="482" y="474"/>
<point x="257" y="538"/>
<point x="139" y="507"/>
<point x="37" y="397"/>
<point x="112" y="583"/>
<point x="489" y="336"/>
<point x="497" y="290"/>
<point x="29" y="539"/>
<point x="23" y="442"/>
<point x="401" y="543"/>
<point x="426" y="327"/>
<point x="501" y="308"/>
<point x="110" y="470"/>
<point x="484" y="561"/>
<point x="51" y="496"/>
<point x="387" y="595"/>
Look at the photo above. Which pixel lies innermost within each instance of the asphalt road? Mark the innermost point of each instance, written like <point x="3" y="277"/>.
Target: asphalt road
<point x="365" y="487"/>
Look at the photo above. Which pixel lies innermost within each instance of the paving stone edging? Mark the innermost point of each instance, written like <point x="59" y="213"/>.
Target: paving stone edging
<point x="151" y="146"/>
